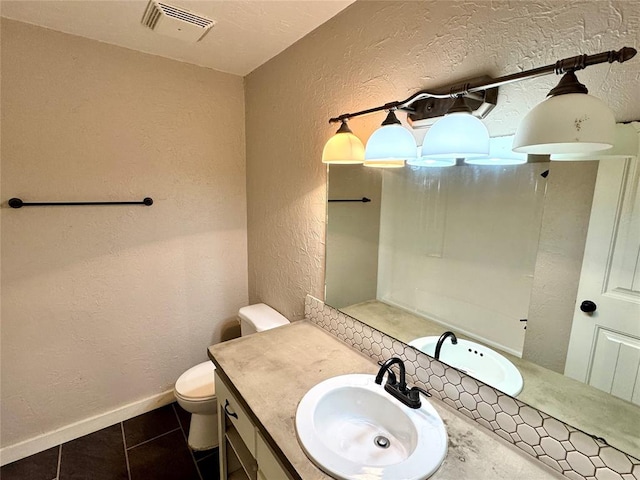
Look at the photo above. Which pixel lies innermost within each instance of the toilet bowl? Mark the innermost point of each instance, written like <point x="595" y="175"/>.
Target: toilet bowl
<point x="195" y="392"/>
<point x="195" y="389"/>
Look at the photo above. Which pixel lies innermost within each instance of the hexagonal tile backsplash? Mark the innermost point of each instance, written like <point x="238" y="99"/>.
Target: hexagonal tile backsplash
<point x="571" y="452"/>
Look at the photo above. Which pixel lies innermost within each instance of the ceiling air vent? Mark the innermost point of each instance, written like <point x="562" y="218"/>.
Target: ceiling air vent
<point x="176" y="22"/>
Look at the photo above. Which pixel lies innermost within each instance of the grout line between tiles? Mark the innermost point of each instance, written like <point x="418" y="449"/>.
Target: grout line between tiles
<point x="184" y="435"/>
<point x="205" y="457"/>
<point x="59" y="462"/>
<point x="175" y="412"/>
<point x="126" y="455"/>
<point x="152" y="439"/>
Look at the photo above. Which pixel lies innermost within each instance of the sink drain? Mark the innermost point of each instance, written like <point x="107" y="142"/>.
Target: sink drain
<point x="382" y="442"/>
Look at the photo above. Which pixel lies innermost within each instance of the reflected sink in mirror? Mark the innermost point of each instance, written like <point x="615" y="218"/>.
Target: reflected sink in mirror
<point x="351" y="428"/>
<point x="476" y="360"/>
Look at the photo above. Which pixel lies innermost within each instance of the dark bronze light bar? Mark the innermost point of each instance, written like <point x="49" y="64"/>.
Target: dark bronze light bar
<point x="566" y="65"/>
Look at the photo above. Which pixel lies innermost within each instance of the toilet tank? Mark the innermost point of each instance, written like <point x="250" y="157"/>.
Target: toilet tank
<point x="259" y="317"/>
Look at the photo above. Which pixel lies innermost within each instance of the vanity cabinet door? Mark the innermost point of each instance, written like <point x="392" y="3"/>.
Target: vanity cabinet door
<point x="237" y="415"/>
<point x="268" y="466"/>
<point x="244" y="454"/>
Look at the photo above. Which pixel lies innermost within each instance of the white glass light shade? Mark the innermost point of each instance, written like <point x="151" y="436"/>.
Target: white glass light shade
<point x="343" y="148"/>
<point x="500" y="153"/>
<point x="625" y="145"/>
<point x="390" y="146"/>
<point x="456" y="135"/>
<point x="569" y="123"/>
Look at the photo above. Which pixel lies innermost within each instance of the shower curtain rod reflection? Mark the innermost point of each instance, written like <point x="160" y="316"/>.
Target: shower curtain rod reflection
<point x="18" y="203"/>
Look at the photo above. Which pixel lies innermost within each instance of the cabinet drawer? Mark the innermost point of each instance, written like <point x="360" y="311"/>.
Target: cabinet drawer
<point x="233" y="409"/>
<point x="269" y="467"/>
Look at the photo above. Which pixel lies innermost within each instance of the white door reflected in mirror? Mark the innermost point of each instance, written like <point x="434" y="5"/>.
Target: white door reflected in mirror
<point x="604" y="347"/>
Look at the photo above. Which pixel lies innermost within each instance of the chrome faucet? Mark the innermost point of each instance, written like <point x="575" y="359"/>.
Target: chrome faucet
<point x="409" y="396"/>
<point x="443" y="337"/>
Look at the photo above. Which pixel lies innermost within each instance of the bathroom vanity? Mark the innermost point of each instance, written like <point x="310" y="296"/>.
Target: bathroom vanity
<point x="262" y="378"/>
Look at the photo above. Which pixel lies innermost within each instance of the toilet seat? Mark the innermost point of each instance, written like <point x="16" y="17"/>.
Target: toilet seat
<point x="195" y="390"/>
<point x="197" y="384"/>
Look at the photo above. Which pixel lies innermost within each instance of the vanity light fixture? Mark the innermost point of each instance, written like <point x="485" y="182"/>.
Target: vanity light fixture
<point x="534" y="133"/>
<point x="344" y="147"/>
<point x="625" y="145"/>
<point x="390" y="145"/>
<point x="568" y="121"/>
<point x="456" y="135"/>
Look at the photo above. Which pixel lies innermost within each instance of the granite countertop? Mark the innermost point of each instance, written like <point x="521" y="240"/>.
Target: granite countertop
<point x="273" y="370"/>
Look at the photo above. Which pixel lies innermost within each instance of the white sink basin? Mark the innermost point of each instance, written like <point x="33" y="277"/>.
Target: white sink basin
<point x="475" y="360"/>
<point x="352" y="428"/>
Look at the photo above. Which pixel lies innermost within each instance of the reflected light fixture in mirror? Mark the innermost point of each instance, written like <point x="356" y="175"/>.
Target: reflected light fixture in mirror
<point x="344" y="147"/>
<point x="500" y="153"/>
<point x="456" y="135"/>
<point x="432" y="162"/>
<point x="390" y="145"/>
<point x="568" y="121"/>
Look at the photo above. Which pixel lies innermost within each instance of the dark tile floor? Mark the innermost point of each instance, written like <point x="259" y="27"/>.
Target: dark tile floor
<point x="152" y="446"/>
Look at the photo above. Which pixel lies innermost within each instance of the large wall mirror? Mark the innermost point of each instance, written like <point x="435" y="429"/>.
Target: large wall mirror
<point x="535" y="268"/>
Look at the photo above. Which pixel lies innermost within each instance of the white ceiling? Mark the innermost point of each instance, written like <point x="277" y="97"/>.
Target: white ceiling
<point x="246" y="35"/>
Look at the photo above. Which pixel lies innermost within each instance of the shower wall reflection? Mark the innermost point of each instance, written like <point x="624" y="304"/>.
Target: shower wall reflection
<point x="455" y="245"/>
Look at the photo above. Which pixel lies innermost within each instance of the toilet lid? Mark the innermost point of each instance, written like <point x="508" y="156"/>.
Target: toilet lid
<point x="197" y="382"/>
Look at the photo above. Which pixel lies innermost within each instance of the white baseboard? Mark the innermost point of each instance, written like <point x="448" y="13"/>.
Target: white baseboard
<point x="83" y="427"/>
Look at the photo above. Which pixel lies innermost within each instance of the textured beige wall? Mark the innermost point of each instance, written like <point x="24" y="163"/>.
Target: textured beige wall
<point x="102" y="306"/>
<point x="374" y="52"/>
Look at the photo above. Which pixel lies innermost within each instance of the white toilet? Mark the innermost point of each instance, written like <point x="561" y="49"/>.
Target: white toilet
<point x="195" y="390"/>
